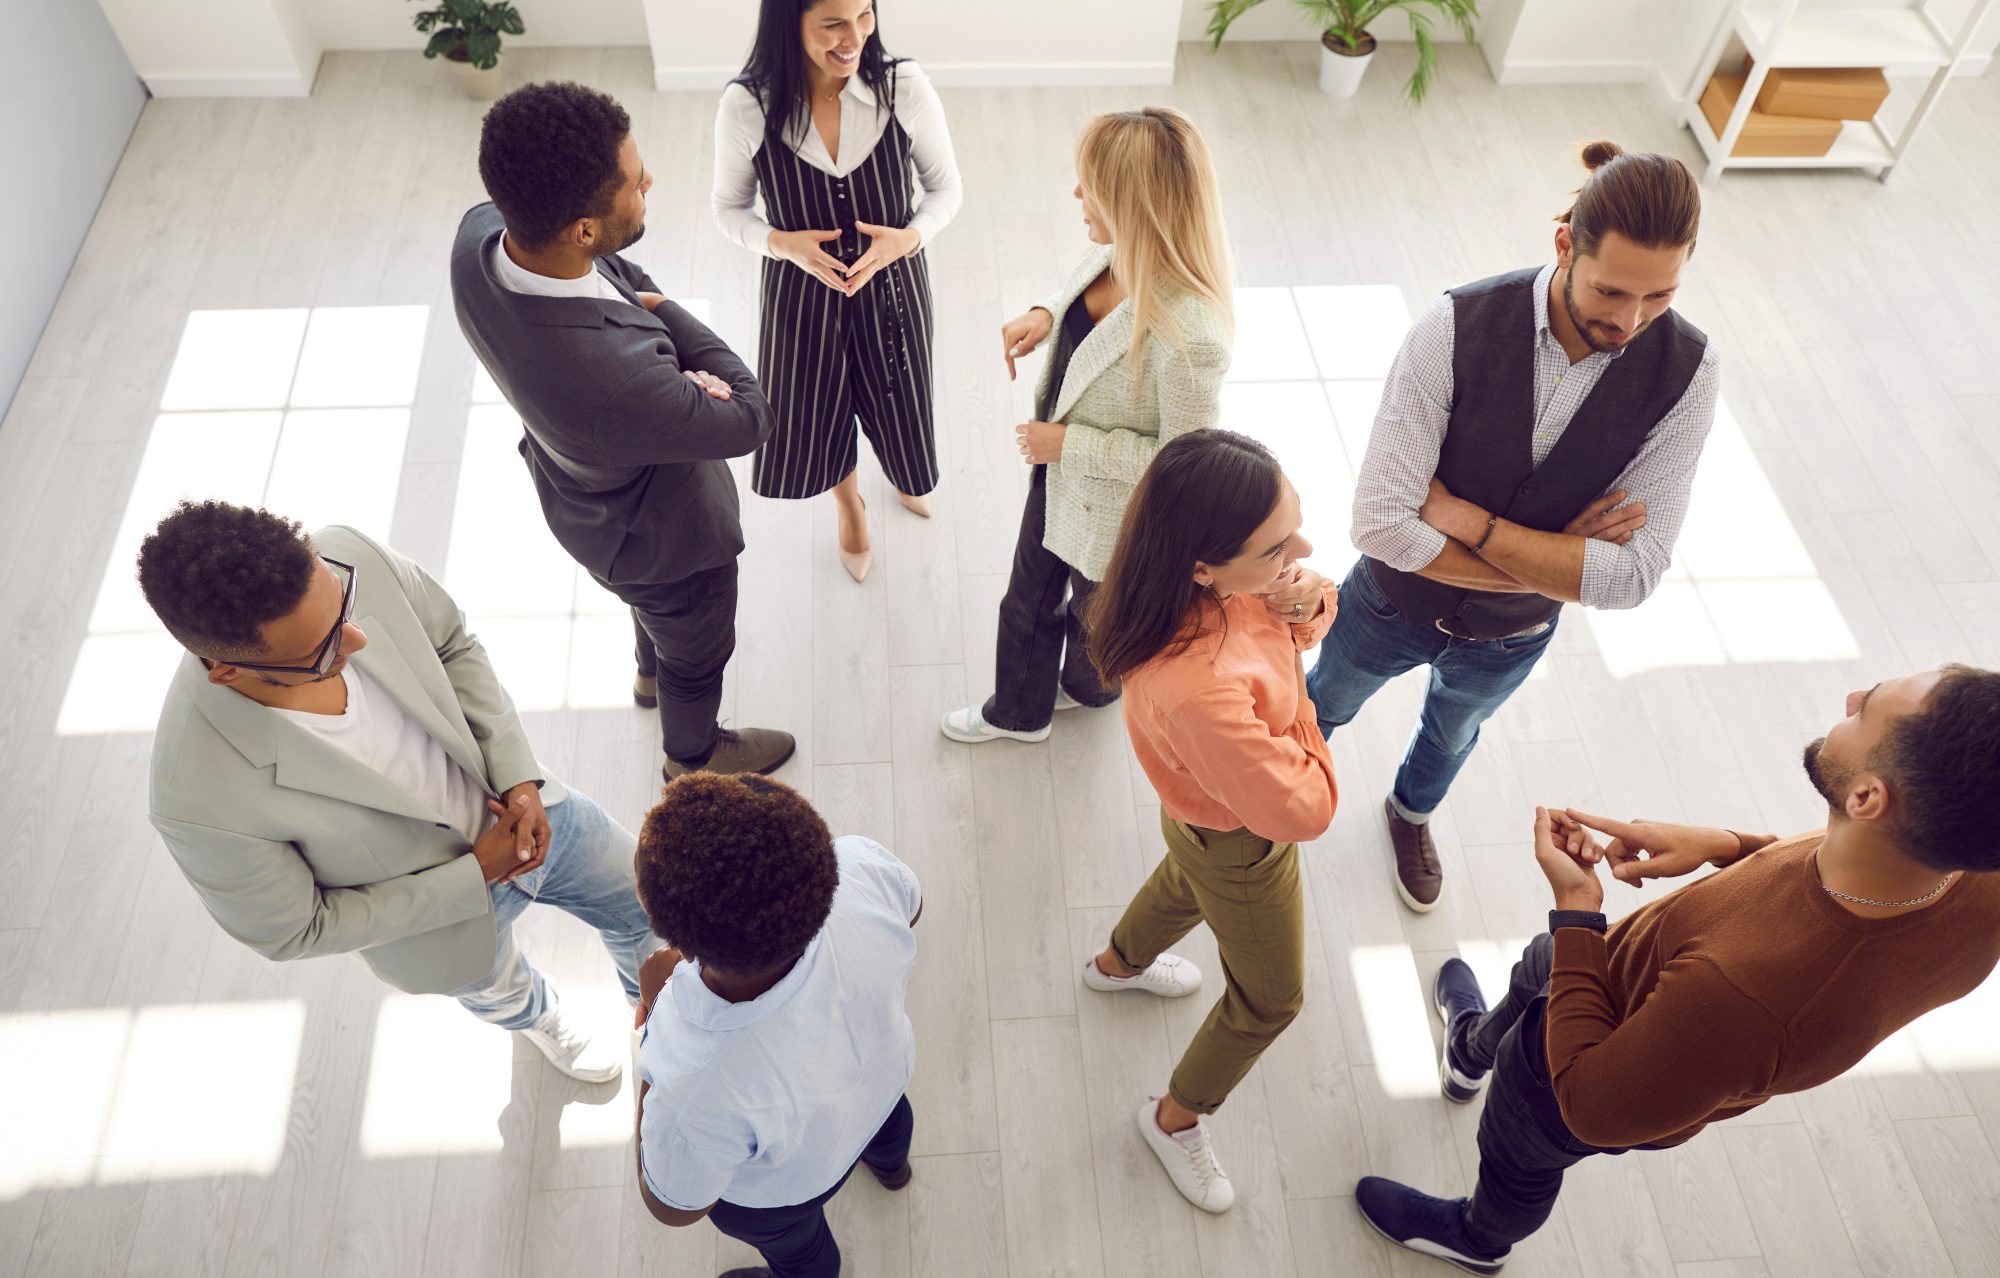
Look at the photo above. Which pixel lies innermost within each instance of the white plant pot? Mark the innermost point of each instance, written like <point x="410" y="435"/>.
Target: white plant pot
<point x="1340" y="73"/>
<point x="483" y="86"/>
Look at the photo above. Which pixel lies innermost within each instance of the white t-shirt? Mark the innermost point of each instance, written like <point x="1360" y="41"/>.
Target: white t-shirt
<point x="522" y="280"/>
<point x="768" y="1103"/>
<point x="377" y="731"/>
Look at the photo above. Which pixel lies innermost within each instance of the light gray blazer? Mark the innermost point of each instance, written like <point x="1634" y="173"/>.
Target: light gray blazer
<point x="299" y="850"/>
<point x="1118" y="416"/>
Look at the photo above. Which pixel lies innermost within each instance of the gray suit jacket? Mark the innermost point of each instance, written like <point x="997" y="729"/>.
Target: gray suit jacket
<point x="299" y="850"/>
<point x="627" y="455"/>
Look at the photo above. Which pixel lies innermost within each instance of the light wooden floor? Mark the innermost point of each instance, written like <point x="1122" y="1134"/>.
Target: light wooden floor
<point x="171" y="1104"/>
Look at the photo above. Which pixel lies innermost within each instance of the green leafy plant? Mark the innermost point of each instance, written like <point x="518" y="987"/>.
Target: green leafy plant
<point x="1345" y="24"/>
<point x="469" y="30"/>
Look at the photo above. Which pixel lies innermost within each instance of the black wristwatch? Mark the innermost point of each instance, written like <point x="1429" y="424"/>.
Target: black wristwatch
<point x="1591" y="919"/>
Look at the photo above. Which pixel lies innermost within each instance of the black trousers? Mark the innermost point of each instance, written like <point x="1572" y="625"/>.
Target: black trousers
<point x="685" y="632"/>
<point x="1524" y="1145"/>
<point x="796" y="1241"/>
<point x="1041" y="641"/>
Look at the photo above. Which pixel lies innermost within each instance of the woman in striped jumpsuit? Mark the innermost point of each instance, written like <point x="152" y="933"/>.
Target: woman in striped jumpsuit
<point x="835" y="136"/>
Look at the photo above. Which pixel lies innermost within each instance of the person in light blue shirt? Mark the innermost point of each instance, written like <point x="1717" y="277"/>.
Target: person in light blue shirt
<point x="776" y="1048"/>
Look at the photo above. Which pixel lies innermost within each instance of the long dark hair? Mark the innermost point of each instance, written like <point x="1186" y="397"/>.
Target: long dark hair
<point x="1199" y="501"/>
<point x="776" y="69"/>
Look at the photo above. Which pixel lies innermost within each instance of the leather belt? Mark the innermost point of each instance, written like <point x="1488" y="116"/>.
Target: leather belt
<point x="1518" y="634"/>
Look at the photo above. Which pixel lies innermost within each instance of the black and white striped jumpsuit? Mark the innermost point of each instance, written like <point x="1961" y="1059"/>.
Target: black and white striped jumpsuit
<point x="827" y="361"/>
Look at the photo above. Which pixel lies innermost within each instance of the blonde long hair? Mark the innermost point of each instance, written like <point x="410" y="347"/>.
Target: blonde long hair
<point x="1150" y="176"/>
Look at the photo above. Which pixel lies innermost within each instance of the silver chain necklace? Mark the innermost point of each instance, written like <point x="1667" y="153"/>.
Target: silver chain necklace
<point x="1882" y="905"/>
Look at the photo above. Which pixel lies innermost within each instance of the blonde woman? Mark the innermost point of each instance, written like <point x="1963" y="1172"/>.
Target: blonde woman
<point x="1138" y="342"/>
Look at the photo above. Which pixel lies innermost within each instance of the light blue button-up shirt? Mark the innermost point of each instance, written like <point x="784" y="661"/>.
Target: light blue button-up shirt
<point x="769" y="1103"/>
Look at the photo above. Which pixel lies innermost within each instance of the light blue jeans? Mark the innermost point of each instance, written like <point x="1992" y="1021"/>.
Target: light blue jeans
<point x="587" y="873"/>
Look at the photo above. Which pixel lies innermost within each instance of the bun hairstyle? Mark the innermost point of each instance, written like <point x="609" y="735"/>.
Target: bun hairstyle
<point x="1650" y="199"/>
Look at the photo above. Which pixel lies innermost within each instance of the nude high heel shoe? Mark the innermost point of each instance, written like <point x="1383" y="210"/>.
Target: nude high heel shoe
<point x="916" y="504"/>
<point x="858" y="562"/>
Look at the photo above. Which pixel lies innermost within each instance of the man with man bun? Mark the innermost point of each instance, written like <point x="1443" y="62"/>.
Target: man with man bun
<point x="1535" y="446"/>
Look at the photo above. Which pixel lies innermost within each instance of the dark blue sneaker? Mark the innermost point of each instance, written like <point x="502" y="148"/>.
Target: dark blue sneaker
<point x="1432" y="1226"/>
<point x="1456" y="993"/>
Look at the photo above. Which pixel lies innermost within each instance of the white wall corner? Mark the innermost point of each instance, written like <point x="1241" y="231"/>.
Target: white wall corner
<point x="217" y="48"/>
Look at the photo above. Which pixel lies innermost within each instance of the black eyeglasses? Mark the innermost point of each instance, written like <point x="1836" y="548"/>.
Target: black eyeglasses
<point x="328" y="651"/>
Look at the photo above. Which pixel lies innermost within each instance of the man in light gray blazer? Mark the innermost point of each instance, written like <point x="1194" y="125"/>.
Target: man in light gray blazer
<point x="338" y="770"/>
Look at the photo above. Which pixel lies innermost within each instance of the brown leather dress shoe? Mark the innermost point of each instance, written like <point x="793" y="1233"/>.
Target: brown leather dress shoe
<point x="646" y="691"/>
<point x="894" y="1180"/>
<point x="751" y="750"/>
<point x="1419" y="877"/>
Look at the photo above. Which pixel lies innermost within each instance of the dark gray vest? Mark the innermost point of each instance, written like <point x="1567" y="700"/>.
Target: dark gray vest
<point x="1487" y="457"/>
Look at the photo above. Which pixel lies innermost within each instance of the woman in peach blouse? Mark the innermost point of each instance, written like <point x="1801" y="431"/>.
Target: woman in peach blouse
<point x="1203" y="614"/>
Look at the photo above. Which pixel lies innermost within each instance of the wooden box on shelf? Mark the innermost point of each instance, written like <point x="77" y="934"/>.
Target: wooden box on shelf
<point x="1824" y="93"/>
<point x="1764" y="134"/>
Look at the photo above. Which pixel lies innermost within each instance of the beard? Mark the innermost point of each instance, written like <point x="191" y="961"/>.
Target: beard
<point x="1583" y="326"/>
<point x="625" y="237"/>
<point x="1831" y="782"/>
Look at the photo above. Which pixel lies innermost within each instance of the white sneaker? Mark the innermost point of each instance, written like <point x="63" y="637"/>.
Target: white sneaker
<point x="1189" y="1159"/>
<point x="1169" y="976"/>
<point x="970" y="726"/>
<point x="1066" y="702"/>
<point x="571" y="1052"/>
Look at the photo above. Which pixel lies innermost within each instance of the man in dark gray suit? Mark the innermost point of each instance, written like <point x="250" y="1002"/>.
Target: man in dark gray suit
<point x="631" y="405"/>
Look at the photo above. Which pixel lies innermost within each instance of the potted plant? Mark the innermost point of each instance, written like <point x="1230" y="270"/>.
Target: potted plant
<point x="1346" y="48"/>
<point x="466" y="33"/>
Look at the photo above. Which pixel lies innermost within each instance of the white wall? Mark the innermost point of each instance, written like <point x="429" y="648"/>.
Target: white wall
<point x="1282" y="20"/>
<point x="700" y="45"/>
<point x="217" y="48"/>
<point x="385" y="24"/>
<point x="61" y="67"/>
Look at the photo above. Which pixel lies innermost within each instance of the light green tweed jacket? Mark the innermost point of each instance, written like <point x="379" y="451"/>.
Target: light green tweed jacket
<point x="296" y="848"/>
<point x="1118" y="416"/>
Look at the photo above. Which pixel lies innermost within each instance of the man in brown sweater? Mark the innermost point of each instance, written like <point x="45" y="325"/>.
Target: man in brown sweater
<point x="1771" y="977"/>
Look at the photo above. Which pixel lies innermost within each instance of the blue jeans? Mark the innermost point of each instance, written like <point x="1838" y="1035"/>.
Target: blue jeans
<point x="796" y="1242"/>
<point x="587" y="873"/>
<point x="1371" y="643"/>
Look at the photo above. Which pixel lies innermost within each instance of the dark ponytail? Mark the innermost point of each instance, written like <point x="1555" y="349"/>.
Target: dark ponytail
<point x="1650" y="199"/>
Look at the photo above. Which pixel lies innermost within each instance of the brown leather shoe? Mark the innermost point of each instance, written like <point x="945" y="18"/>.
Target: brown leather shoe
<point x="646" y="691"/>
<point x="751" y="750"/>
<point x="1419" y="877"/>
<point x="895" y="1180"/>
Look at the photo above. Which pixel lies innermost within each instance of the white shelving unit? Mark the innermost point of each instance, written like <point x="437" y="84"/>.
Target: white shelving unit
<point x="1796" y="34"/>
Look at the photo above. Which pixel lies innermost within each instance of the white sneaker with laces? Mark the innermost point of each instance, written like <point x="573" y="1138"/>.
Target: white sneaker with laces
<point x="970" y="726"/>
<point x="572" y="1053"/>
<point x="1169" y="976"/>
<point x="1066" y="702"/>
<point x="1189" y="1158"/>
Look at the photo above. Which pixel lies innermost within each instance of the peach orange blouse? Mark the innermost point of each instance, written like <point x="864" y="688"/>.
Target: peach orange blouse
<point x="1226" y="732"/>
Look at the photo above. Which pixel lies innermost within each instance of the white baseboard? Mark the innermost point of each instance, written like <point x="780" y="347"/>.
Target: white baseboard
<point x="964" y="74"/>
<point x="228" y="86"/>
<point x="1576" y="73"/>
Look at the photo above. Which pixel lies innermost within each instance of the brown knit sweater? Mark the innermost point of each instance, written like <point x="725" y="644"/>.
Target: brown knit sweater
<point x="1748" y="984"/>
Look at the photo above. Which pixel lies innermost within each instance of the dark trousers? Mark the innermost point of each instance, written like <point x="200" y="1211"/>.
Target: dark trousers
<point x="685" y="631"/>
<point x="1524" y="1145"/>
<point x="796" y="1241"/>
<point x="1041" y="641"/>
